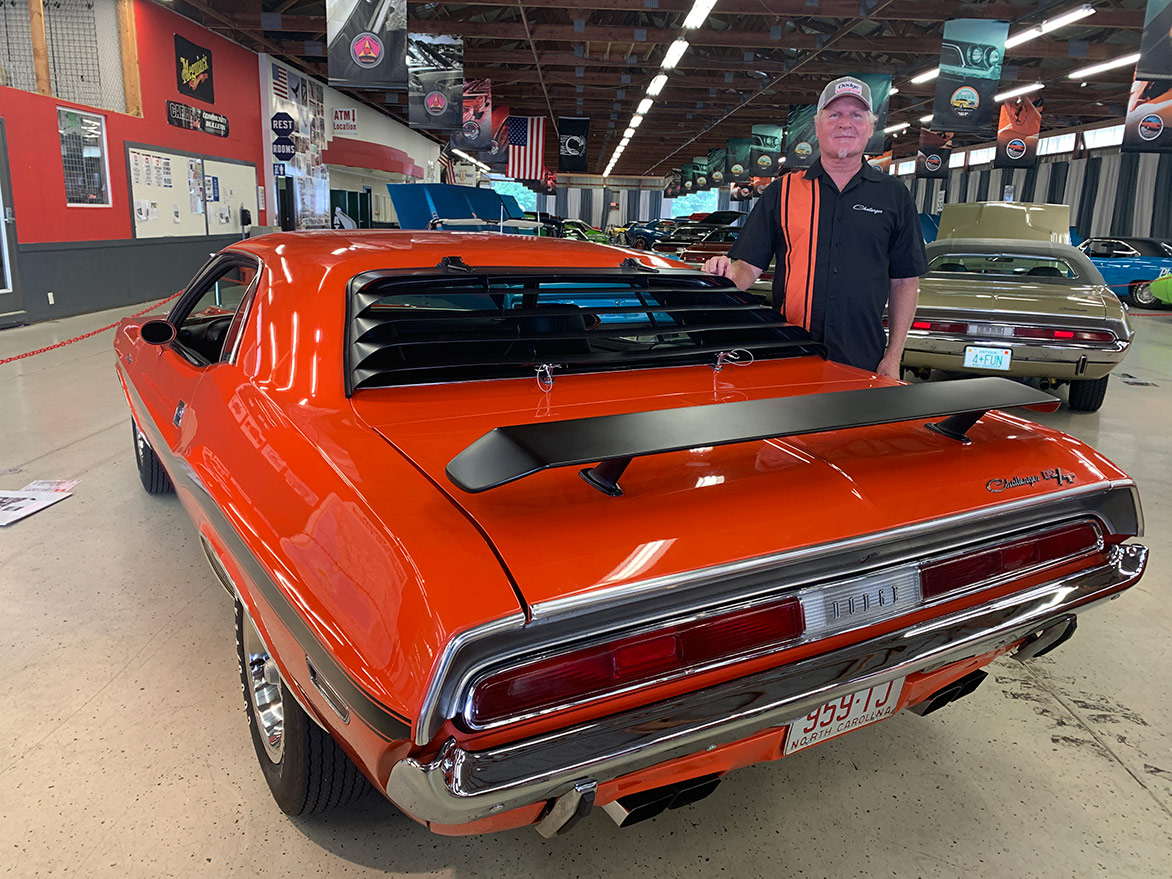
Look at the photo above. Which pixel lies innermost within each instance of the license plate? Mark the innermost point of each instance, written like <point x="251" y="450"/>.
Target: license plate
<point x="843" y="715"/>
<point x="987" y="358"/>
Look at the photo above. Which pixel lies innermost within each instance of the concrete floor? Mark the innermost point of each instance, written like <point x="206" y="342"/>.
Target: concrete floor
<point x="124" y="750"/>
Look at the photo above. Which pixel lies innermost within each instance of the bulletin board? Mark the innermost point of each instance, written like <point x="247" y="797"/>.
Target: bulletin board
<point x="175" y="194"/>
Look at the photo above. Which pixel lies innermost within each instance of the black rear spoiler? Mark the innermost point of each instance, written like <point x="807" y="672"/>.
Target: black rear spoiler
<point x="506" y="454"/>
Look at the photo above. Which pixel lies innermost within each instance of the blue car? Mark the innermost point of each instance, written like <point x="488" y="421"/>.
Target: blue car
<point x="642" y="236"/>
<point x="1129" y="265"/>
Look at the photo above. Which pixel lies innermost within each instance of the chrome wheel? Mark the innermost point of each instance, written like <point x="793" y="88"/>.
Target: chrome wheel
<point x="264" y="691"/>
<point x="1141" y="295"/>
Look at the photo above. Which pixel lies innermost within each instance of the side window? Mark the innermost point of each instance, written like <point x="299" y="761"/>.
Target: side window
<point x="215" y="317"/>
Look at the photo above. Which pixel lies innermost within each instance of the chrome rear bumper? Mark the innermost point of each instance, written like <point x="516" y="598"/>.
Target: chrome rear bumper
<point x="460" y="786"/>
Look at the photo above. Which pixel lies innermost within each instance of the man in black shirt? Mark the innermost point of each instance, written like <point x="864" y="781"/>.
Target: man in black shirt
<point x="846" y="238"/>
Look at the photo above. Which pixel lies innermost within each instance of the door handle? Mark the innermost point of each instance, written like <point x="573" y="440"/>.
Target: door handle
<point x="179" y="410"/>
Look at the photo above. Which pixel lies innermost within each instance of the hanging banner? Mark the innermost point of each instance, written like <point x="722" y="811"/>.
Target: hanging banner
<point x="196" y="119"/>
<point x="1148" y="126"/>
<point x="476" y="133"/>
<point x="881" y="162"/>
<point x="435" y="81"/>
<point x="193" y="70"/>
<point x="934" y="153"/>
<point x="801" y="144"/>
<point x="717" y="167"/>
<point x="688" y="178"/>
<point x="700" y="163"/>
<point x="548" y="184"/>
<point x="880" y="84"/>
<point x="1155" y="47"/>
<point x="496" y="154"/>
<point x="572" y="134"/>
<point x="970" y="70"/>
<point x="760" y="184"/>
<point x="765" y="151"/>
<point x="367" y="43"/>
<point x="737" y="150"/>
<point x="671" y="184"/>
<point x="1017" y="134"/>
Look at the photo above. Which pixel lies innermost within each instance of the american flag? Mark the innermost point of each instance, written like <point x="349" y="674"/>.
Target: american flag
<point x="280" y="82"/>
<point x="526" y="147"/>
<point x="447" y="167"/>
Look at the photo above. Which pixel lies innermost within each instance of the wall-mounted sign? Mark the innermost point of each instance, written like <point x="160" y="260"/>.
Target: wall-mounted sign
<point x="279" y="169"/>
<point x="284" y="149"/>
<point x="196" y="119"/>
<point x="193" y="70"/>
<point x="282" y="124"/>
<point x="346" y="120"/>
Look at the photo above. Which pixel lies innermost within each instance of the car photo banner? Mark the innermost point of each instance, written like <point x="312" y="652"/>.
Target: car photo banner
<point x="718" y="167"/>
<point x="496" y="154"/>
<point x="1148" y="125"/>
<point x="801" y="144"/>
<point x="476" y="133"/>
<point x="736" y="151"/>
<point x="880" y="85"/>
<point x="933" y="155"/>
<point x="970" y="73"/>
<point x="700" y="163"/>
<point x="573" y="132"/>
<point x="671" y="184"/>
<point x="1155" y="47"/>
<point x="688" y="178"/>
<point x="435" y="81"/>
<point x="367" y="43"/>
<point x="765" y="150"/>
<point x="1017" y="134"/>
<point x="881" y="162"/>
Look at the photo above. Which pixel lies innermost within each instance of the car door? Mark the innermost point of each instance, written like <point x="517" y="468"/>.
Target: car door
<point x="208" y="319"/>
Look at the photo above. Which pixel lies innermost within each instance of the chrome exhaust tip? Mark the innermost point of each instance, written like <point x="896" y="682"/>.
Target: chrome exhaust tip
<point x="1043" y="641"/>
<point x="945" y="695"/>
<point x="632" y="809"/>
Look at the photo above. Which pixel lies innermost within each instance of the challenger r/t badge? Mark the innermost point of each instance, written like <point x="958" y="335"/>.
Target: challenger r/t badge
<point x="1017" y="481"/>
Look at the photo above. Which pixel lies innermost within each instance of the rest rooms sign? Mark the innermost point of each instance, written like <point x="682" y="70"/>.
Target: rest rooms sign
<point x="346" y="120"/>
<point x="193" y="70"/>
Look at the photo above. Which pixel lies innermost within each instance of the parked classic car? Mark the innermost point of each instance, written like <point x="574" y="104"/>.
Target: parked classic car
<point x="642" y="236"/>
<point x="686" y="234"/>
<point x="511" y="550"/>
<point x="1129" y="265"/>
<point x="719" y="242"/>
<point x="1025" y="308"/>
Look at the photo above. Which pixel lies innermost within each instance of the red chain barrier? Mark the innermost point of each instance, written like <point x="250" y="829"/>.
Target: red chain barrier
<point x="86" y="335"/>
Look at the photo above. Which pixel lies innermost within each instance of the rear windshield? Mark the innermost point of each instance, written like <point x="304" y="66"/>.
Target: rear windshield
<point x="1028" y="267"/>
<point x="416" y="329"/>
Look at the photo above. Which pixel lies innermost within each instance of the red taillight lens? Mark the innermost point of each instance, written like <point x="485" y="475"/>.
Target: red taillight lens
<point x="940" y="326"/>
<point x="581" y="675"/>
<point x="1009" y="559"/>
<point x="1064" y="335"/>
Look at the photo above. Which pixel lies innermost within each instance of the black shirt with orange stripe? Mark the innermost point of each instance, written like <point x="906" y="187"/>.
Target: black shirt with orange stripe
<point x="836" y="281"/>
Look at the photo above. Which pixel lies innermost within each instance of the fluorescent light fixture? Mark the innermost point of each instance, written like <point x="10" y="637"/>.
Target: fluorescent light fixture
<point x="629" y="133"/>
<point x="1106" y="65"/>
<point x="926" y="75"/>
<point x="644" y="106"/>
<point x="674" y="53"/>
<point x="894" y="90"/>
<point x="636" y="121"/>
<point x="1050" y="24"/>
<point x="657" y="84"/>
<point x="927" y="118"/>
<point x="624" y="141"/>
<point x="1020" y="90"/>
<point x="899" y="126"/>
<point x="699" y="13"/>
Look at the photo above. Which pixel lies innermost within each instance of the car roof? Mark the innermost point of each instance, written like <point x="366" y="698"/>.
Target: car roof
<point x="1014" y="246"/>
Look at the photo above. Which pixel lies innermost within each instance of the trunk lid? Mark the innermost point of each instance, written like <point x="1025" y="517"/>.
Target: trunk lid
<point x="1011" y="297"/>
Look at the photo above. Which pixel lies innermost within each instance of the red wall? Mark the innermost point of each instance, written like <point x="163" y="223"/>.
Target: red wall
<point x="34" y="146"/>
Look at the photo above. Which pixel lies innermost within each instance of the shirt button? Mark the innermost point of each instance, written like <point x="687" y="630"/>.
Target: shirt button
<point x="836" y="271"/>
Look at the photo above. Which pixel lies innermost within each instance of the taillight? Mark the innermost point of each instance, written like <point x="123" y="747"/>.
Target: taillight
<point x="581" y="675"/>
<point x="940" y="326"/>
<point x="1009" y="559"/>
<point x="1063" y="335"/>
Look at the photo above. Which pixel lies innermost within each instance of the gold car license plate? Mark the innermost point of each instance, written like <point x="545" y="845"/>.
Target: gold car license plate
<point x="843" y="715"/>
<point x="987" y="358"/>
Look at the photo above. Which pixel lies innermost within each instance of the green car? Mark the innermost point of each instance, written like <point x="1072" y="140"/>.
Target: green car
<point x="580" y="231"/>
<point x="1161" y="288"/>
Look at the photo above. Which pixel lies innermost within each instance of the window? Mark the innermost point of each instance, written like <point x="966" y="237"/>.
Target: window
<point x="1057" y="143"/>
<point x="1027" y="267"/>
<point x="212" y="325"/>
<point x="83" y="155"/>
<point x="1103" y="137"/>
<point x="979" y="157"/>
<point x="956" y="160"/>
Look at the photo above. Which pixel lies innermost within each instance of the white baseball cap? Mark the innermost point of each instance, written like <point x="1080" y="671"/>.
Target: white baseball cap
<point x="844" y="87"/>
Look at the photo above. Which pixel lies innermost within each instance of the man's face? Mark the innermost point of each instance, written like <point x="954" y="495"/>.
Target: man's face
<point x="843" y="127"/>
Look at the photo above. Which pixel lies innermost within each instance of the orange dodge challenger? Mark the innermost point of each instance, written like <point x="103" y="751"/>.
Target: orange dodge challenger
<point x="518" y="527"/>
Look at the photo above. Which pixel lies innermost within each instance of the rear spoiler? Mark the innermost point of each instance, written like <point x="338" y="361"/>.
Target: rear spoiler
<point x="506" y="454"/>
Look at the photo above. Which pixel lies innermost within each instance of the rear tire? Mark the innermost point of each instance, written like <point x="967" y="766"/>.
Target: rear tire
<point x="1087" y="395"/>
<point x="150" y="469"/>
<point x="1142" y="296"/>
<point x="640" y="243"/>
<point x="307" y="772"/>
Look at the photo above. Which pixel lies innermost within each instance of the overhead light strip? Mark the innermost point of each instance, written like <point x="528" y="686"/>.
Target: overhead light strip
<point x="1017" y="92"/>
<point x="1106" y="65"/>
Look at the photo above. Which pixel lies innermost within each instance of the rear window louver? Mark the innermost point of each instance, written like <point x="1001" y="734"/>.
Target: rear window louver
<point x="458" y="323"/>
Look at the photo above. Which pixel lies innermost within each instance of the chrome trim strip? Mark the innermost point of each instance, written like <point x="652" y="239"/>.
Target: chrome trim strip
<point x="461" y="786"/>
<point x="557" y="623"/>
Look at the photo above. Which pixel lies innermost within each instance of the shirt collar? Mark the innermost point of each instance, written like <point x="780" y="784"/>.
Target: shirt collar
<point x="868" y="172"/>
